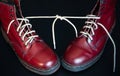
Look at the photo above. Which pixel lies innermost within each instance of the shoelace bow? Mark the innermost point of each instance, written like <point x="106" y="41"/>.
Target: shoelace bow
<point x="91" y="26"/>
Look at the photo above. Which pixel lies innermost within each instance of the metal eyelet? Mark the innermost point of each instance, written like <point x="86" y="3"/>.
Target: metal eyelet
<point x="11" y="15"/>
<point x="11" y="10"/>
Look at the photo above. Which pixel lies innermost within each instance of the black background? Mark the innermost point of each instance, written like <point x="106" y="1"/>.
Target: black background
<point x="9" y="63"/>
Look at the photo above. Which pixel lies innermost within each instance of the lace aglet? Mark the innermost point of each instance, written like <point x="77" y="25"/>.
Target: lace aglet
<point x="114" y="68"/>
<point x="54" y="43"/>
<point x="54" y="46"/>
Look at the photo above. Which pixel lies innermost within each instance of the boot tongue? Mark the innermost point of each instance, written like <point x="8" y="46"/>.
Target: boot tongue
<point x="11" y="2"/>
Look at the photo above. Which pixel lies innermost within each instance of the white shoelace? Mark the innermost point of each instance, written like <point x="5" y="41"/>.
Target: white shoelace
<point x="91" y="26"/>
<point x="65" y="18"/>
<point x="21" y="28"/>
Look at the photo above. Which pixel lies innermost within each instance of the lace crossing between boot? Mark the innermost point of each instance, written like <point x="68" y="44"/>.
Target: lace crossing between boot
<point x="91" y="26"/>
<point x="65" y="18"/>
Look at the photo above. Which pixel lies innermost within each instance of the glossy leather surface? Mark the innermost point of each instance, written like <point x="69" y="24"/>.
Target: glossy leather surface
<point x="82" y="51"/>
<point x="36" y="54"/>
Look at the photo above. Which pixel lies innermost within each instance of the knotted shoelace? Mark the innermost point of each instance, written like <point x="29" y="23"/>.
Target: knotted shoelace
<point x="24" y="22"/>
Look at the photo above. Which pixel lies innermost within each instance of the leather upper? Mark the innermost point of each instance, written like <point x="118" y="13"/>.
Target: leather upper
<point x="82" y="50"/>
<point x="36" y="54"/>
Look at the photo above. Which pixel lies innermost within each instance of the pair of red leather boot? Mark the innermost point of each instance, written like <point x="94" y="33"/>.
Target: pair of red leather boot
<point x="36" y="56"/>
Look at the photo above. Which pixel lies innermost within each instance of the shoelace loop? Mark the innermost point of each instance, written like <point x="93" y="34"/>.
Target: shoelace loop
<point x="53" y="26"/>
<point x="23" y="24"/>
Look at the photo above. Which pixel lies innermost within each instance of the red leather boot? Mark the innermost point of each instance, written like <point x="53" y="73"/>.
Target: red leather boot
<point x="85" y="50"/>
<point x="31" y="50"/>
